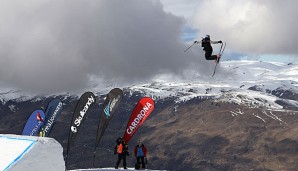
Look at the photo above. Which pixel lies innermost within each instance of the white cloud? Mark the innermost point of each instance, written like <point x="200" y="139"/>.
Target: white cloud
<point x="183" y="8"/>
<point x="58" y="45"/>
<point x="250" y="26"/>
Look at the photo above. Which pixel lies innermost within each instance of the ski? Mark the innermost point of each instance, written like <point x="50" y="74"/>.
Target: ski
<point x="222" y="48"/>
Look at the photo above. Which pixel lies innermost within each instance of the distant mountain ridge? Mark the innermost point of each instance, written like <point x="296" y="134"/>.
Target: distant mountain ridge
<point x="253" y="78"/>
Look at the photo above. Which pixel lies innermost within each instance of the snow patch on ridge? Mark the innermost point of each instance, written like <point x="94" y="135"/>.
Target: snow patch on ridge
<point x="247" y="83"/>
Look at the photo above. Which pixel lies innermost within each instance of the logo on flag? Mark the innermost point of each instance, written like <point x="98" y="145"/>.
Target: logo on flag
<point x="107" y="110"/>
<point x="38" y="117"/>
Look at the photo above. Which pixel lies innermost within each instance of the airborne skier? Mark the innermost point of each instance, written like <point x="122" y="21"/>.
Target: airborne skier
<point x="206" y="44"/>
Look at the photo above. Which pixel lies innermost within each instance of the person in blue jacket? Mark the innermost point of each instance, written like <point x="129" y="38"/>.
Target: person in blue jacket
<point x="140" y="153"/>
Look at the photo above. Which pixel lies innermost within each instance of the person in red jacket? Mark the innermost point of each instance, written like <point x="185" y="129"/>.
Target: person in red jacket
<point x="140" y="153"/>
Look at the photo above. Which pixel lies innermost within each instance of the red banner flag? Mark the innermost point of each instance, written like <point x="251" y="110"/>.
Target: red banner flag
<point x="140" y="113"/>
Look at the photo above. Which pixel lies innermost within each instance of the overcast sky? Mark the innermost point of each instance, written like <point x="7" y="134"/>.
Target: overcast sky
<point x="249" y="26"/>
<point x="48" y="45"/>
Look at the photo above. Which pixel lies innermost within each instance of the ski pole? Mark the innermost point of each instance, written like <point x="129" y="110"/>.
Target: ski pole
<point x="189" y="47"/>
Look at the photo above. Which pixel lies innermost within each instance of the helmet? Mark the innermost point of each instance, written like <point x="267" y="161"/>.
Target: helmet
<point x="207" y="35"/>
<point x="119" y="139"/>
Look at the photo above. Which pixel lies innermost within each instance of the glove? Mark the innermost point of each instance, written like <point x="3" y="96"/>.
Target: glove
<point x="220" y="41"/>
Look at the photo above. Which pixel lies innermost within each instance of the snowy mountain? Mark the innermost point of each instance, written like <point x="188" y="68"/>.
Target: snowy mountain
<point x="243" y="82"/>
<point x="251" y="79"/>
<point x="242" y="118"/>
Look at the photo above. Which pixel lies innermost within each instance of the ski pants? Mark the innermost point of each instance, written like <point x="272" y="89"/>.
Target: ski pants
<point x="120" y="157"/>
<point x="141" y="160"/>
<point x="208" y="54"/>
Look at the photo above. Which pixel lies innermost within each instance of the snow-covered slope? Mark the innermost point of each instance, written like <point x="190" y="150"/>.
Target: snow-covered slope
<point x="109" y="169"/>
<point x="33" y="154"/>
<point x="30" y="153"/>
<point x="247" y="82"/>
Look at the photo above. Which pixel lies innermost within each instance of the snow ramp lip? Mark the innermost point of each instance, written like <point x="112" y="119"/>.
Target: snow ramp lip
<point x="20" y="146"/>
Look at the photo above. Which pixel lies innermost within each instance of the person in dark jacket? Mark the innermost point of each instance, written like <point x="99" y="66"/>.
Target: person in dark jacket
<point x="206" y="44"/>
<point x="122" y="150"/>
<point x="140" y="153"/>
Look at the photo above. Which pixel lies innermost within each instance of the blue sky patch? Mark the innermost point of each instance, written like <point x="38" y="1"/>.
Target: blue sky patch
<point x="189" y="34"/>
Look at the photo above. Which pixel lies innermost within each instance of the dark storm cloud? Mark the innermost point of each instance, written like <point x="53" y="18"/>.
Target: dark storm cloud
<point x="57" y="45"/>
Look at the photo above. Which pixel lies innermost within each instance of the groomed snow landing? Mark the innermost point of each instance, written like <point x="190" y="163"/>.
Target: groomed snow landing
<point x="30" y="153"/>
<point x="14" y="149"/>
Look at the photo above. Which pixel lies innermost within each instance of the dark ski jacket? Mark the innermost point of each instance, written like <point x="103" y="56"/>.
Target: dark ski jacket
<point x="206" y="43"/>
<point x="123" y="145"/>
<point x="143" y="148"/>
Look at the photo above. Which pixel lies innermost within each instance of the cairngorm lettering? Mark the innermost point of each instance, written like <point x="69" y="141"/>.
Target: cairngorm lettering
<point x="139" y="118"/>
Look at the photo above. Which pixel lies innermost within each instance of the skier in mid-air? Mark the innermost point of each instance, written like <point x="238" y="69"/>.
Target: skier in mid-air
<point x="206" y="44"/>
